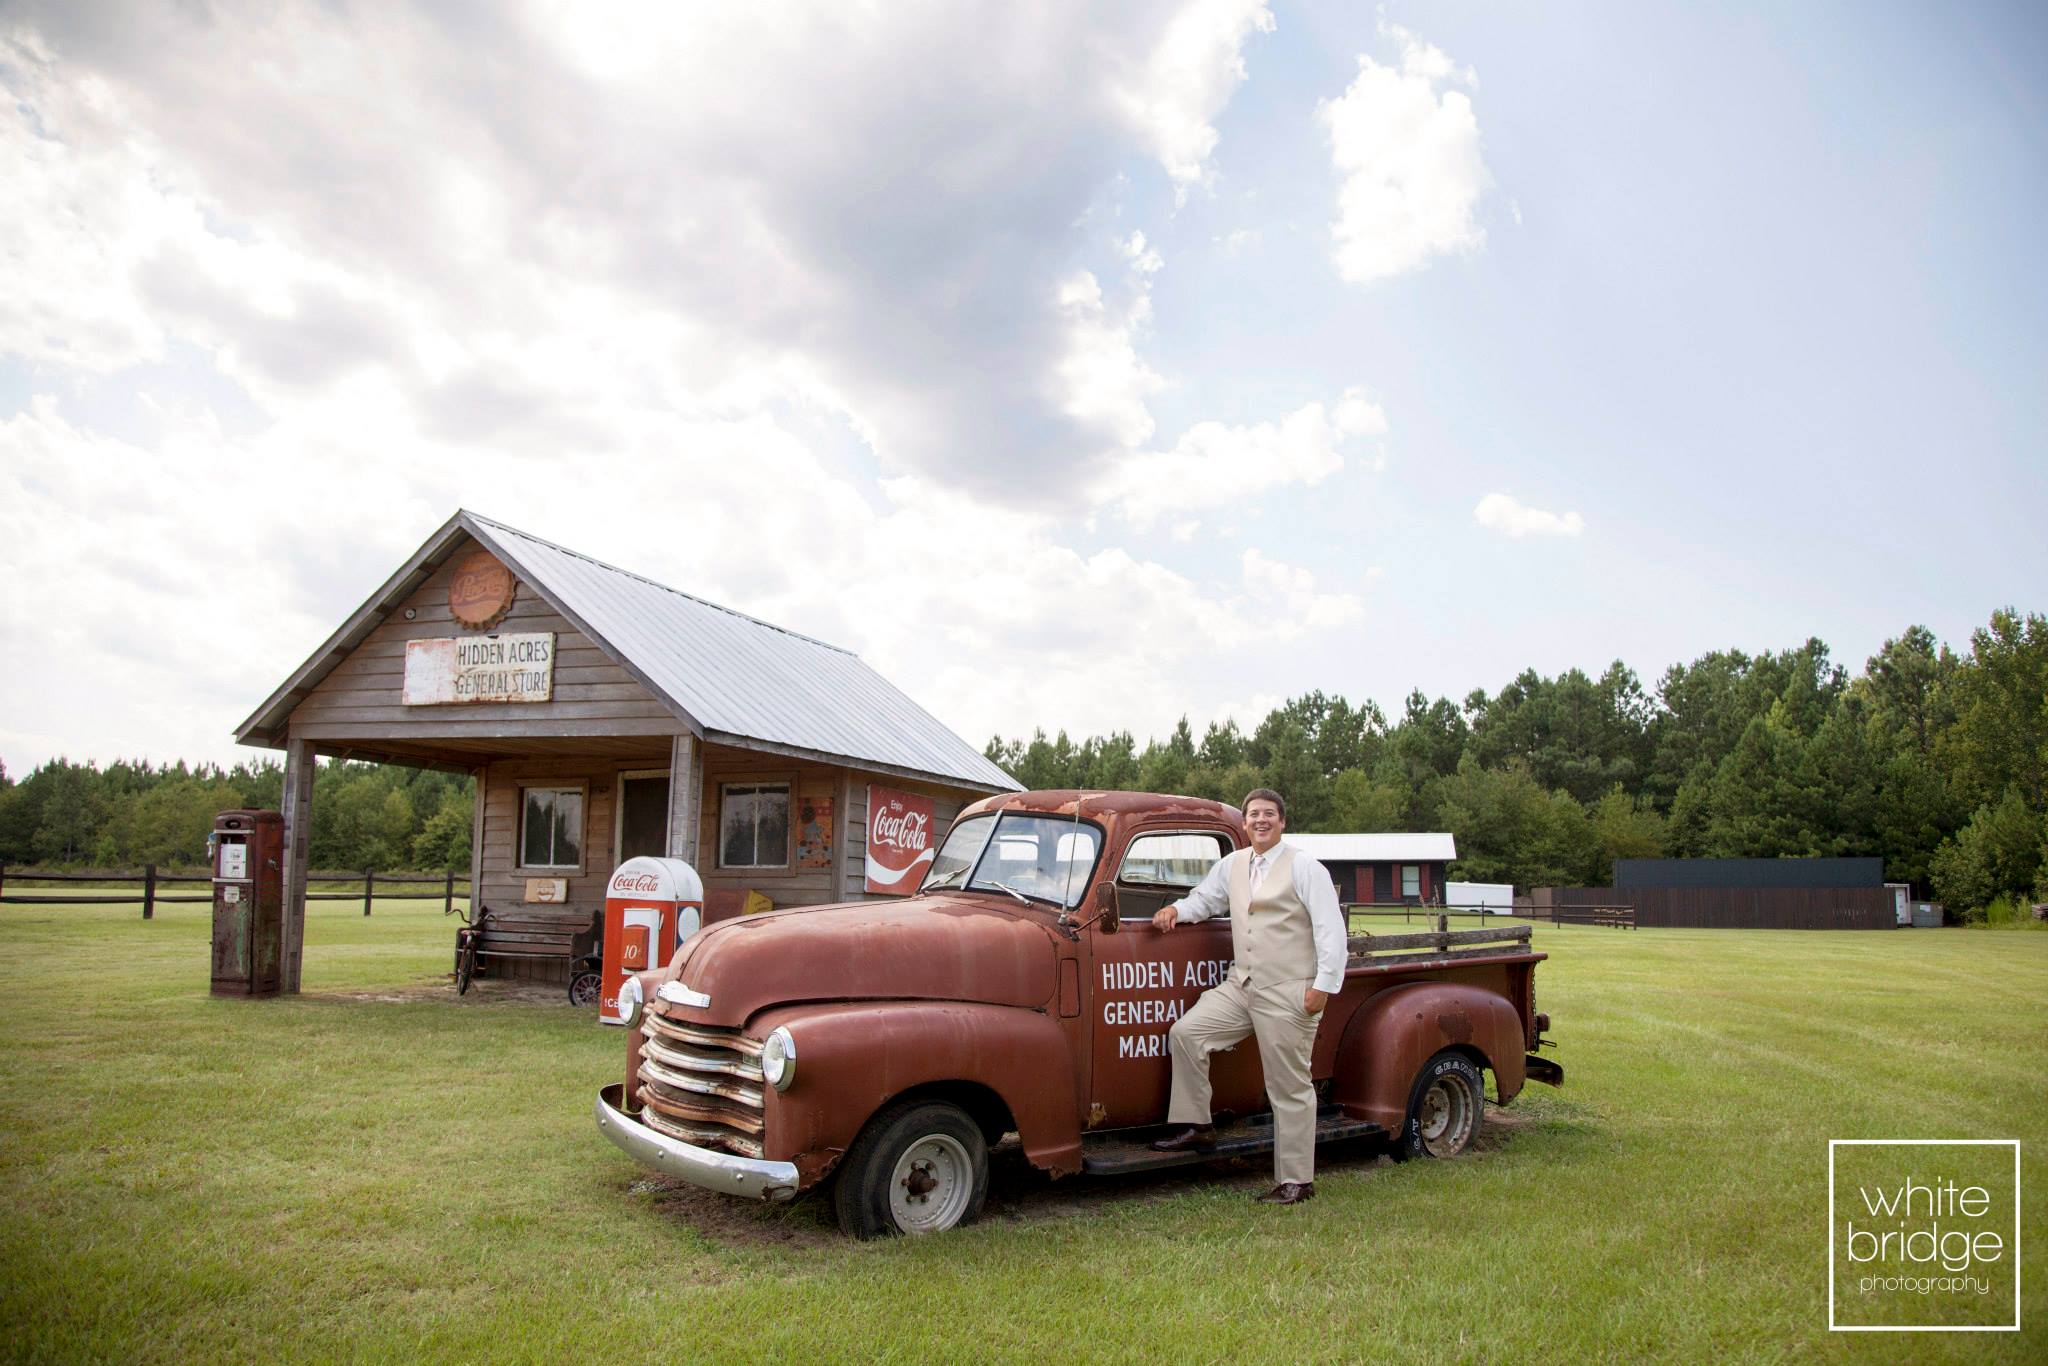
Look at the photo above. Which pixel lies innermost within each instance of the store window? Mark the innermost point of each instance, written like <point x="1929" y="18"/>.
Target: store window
<point x="753" y="825"/>
<point x="551" y="827"/>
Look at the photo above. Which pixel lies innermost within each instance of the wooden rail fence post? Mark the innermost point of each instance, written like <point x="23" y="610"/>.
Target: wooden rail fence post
<point x="149" y="891"/>
<point x="448" y="896"/>
<point x="369" y="887"/>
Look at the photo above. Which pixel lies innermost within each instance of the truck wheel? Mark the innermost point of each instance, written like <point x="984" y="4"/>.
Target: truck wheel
<point x="1445" y="1108"/>
<point x="918" y="1167"/>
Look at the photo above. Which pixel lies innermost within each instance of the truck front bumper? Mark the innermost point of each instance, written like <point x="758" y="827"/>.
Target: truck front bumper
<point x="714" y="1171"/>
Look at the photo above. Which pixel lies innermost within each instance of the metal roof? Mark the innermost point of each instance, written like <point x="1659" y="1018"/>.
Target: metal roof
<point x="732" y="678"/>
<point x="1393" y="847"/>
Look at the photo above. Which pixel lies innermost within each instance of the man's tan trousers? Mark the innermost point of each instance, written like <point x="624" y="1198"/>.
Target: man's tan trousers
<point x="1286" y="1035"/>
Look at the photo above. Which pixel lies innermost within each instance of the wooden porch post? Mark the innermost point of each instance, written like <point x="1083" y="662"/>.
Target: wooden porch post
<point x="685" y="798"/>
<point x="476" y="845"/>
<point x="843" y="888"/>
<point x="298" y="829"/>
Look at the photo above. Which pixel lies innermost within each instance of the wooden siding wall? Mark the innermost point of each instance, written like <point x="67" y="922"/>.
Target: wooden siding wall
<point x="946" y="804"/>
<point x="361" y="698"/>
<point x="503" y="883"/>
<point x="846" y="789"/>
<point x="1380" y="883"/>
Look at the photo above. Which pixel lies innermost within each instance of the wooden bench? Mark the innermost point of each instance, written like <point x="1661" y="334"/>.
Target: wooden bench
<point x="562" y="934"/>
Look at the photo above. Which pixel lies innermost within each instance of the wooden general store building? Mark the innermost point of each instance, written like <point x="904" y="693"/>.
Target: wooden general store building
<point x="603" y="716"/>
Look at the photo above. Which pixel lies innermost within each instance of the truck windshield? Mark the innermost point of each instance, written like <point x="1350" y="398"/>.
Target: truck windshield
<point x="1045" y="858"/>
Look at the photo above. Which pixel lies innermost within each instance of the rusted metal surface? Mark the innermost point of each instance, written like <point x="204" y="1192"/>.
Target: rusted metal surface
<point x="1034" y="1020"/>
<point x="481" y="592"/>
<point x="248" y="903"/>
<point x="1387" y="1040"/>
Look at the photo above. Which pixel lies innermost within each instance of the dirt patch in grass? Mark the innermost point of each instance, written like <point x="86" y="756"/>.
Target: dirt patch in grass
<point x="480" y="993"/>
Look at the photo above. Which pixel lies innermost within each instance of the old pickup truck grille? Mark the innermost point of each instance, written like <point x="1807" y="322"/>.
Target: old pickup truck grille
<point x="701" y="1085"/>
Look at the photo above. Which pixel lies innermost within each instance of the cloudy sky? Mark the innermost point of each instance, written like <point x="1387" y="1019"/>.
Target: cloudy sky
<point x="1078" y="366"/>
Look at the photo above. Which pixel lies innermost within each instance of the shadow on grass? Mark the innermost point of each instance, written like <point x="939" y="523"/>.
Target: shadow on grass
<point x="1020" y="1195"/>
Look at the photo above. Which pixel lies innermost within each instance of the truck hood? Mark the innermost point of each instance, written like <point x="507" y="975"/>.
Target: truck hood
<point x="926" y="948"/>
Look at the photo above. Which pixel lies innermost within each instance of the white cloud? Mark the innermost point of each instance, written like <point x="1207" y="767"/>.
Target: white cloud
<point x="886" y="236"/>
<point x="1408" y="151"/>
<point x="1500" y="512"/>
<point x="1102" y="381"/>
<point x="1187" y="79"/>
<point x="1144" y="259"/>
<point x="1289" y="592"/>
<point x="1216" y="464"/>
<point x="597" y="281"/>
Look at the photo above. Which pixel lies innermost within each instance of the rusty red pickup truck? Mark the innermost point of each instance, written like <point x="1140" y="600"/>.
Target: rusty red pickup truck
<point x="886" y="1046"/>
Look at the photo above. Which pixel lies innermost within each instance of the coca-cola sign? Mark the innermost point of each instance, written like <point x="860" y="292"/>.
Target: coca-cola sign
<point x="901" y="840"/>
<point x="629" y="883"/>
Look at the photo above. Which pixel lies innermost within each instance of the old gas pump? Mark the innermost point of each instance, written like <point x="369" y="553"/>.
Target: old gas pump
<point x="248" y="903"/>
<point x="650" y="906"/>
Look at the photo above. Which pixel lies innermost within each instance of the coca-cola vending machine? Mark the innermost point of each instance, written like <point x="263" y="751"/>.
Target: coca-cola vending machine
<point x="650" y="906"/>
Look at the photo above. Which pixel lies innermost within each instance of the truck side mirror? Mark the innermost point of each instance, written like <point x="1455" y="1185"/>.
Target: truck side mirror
<point x="1106" y="912"/>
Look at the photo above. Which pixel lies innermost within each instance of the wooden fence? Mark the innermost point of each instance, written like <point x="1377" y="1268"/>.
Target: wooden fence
<point x="149" y="879"/>
<point x="1728" y="908"/>
<point x="1410" y="911"/>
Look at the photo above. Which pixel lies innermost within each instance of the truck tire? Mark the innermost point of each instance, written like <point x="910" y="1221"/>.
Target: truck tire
<point x="1445" y="1108"/>
<point x="918" y="1167"/>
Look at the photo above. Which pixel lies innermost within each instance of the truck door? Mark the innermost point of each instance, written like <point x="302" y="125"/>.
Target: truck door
<point x="1140" y="981"/>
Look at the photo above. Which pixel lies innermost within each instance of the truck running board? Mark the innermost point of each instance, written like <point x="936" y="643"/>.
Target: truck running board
<point x="1129" y="1150"/>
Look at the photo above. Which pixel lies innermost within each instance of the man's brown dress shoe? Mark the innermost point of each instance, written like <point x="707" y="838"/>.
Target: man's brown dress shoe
<point x="1199" y="1139"/>
<point x="1288" y="1193"/>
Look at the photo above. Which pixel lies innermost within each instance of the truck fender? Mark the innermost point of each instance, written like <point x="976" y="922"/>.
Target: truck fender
<point x="854" y="1059"/>
<point x="1390" y="1037"/>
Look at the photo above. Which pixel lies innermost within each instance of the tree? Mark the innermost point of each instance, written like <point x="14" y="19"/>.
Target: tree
<point x="1997" y="854"/>
<point x="444" y="841"/>
<point x="68" y="816"/>
<point x="1509" y="829"/>
<point x="1359" y="804"/>
<point x="1291" y="770"/>
<point x="1910" y="684"/>
<point x="2000" y="735"/>
<point x="1429" y="740"/>
<point x="1624" y="827"/>
<point x="1164" y="767"/>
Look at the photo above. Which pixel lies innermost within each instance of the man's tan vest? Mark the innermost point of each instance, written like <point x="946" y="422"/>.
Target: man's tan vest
<point x="1271" y="936"/>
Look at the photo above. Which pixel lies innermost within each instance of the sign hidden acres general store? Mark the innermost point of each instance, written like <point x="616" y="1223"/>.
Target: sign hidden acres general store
<point x="508" y="668"/>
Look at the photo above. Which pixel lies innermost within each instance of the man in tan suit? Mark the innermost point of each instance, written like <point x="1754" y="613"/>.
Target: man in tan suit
<point x="1287" y="938"/>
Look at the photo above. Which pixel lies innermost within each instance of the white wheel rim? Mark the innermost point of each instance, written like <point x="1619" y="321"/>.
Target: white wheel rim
<point x="929" y="1188"/>
<point x="1446" y="1116"/>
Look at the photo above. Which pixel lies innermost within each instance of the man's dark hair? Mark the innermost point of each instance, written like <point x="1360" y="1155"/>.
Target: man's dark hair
<point x="1270" y="795"/>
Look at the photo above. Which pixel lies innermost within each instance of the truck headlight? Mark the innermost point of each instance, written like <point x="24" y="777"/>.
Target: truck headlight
<point x="632" y="1002"/>
<point x="778" y="1059"/>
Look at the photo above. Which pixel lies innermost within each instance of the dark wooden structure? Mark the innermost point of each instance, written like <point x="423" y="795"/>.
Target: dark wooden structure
<point x="655" y="716"/>
<point x="1729" y="908"/>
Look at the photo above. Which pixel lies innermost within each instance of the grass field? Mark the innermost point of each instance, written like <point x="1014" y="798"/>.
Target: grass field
<point x="377" y="1170"/>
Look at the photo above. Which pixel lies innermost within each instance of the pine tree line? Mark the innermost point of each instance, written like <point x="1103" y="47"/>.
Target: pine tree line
<point x="129" y="814"/>
<point x="1935" y="761"/>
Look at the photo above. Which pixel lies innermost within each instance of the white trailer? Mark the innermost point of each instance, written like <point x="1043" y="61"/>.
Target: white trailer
<point x="1496" y="898"/>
